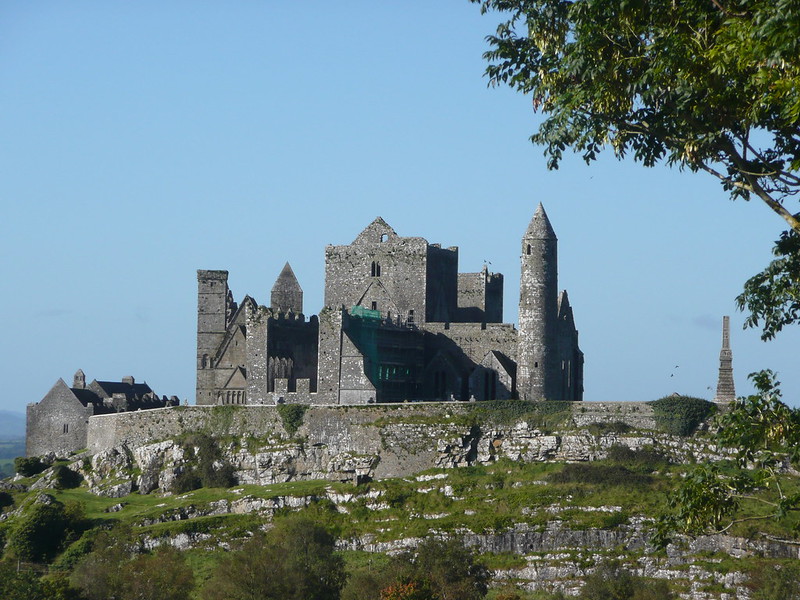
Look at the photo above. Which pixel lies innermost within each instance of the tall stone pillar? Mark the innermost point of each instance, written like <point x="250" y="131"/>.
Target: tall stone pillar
<point x="725" y="388"/>
<point x="537" y="356"/>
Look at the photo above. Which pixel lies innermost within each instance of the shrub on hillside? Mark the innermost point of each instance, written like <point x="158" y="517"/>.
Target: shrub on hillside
<point x="111" y="570"/>
<point x="65" y="478"/>
<point x="598" y="475"/>
<point x="645" y="460"/>
<point x="27" y="467"/>
<point x="597" y="429"/>
<point x="295" y="560"/>
<point x="612" y="582"/>
<point x="207" y="469"/>
<point x="441" y="569"/>
<point x="292" y="416"/>
<point x="44" y="529"/>
<point x="775" y="582"/>
<point x="681" y="415"/>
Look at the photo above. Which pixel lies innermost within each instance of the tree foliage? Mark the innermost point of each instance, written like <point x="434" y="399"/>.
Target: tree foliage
<point x="206" y="467"/>
<point x="293" y="561"/>
<point x="708" y="85"/>
<point x="28" y="467"/>
<point x="440" y="570"/>
<point x="44" y="529"/>
<point x="610" y="581"/>
<point x="766" y="436"/>
<point x="112" y="571"/>
<point x="773" y="296"/>
<point x="681" y="415"/>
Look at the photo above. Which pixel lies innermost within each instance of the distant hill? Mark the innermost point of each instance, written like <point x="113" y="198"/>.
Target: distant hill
<point x="12" y="425"/>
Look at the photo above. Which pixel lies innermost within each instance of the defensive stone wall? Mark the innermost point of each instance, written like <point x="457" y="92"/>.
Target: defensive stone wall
<point x="356" y="429"/>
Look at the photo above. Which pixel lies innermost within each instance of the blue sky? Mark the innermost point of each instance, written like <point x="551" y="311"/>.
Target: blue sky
<point x="143" y="141"/>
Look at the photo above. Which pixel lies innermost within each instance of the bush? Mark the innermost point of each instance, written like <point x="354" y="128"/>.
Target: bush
<point x="65" y="478"/>
<point x="27" y="467"/>
<point x="598" y="429"/>
<point x="186" y="481"/>
<point x="292" y="416"/>
<point x="295" y="560"/>
<point x="111" y="571"/>
<point x="681" y="415"/>
<point x="38" y="535"/>
<point x="775" y="582"/>
<point x="441" y="569"/>
<point x="6" y="499"/>
<point x="598" y="475"/>
<point x="76" y="551"/>
<point x="207" y="469"/>
<point x="644" y="460"/>
<point x="611" y="582"/>
<point x="23" y="584"/>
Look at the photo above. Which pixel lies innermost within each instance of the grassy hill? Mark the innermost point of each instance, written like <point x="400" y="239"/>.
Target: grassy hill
<point x="540" y="525"/>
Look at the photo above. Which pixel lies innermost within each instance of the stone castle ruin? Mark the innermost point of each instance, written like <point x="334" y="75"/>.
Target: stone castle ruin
<point x="59" y="422"/>
<point x="399" y="323"/>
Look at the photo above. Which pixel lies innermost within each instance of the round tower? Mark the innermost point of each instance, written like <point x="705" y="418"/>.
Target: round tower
<point x="537" y="357"/>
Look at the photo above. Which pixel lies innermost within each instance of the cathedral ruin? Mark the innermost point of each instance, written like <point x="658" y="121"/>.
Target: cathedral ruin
<point x="399" y="323"/>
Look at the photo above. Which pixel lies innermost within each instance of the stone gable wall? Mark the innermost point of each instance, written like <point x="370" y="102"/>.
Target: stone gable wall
<point x="478" y="339"/>
<point x="58" y="423"/>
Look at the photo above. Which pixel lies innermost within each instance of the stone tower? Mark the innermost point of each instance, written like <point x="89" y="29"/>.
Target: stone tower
<point x="725" y="388"/>
<point x="212" y="321"/>
<point x="537" y="357"/>
<point x="287" y="295"/>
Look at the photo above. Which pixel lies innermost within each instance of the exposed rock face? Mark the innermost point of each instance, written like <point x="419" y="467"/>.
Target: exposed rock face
<point x="404" y="449"/>
<point x="158" y="464"/>
<point x="370" y="444"/>
<point x="357" y="429"/>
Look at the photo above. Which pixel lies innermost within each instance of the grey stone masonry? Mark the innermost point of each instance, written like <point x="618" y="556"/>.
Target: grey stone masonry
<point x="538" y="311"/>
<point x="399" y="323"/>
<point x="58" y="423"/>
<point x="726" y="392"/>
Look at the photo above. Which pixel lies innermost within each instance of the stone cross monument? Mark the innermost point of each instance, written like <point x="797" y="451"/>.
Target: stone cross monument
<point x="725" y="389"/>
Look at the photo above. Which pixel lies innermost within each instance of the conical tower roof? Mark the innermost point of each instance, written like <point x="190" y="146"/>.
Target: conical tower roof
<point x="286" y="281"/>
<point x="539" y="228"/>
<point x="287" y="295"/>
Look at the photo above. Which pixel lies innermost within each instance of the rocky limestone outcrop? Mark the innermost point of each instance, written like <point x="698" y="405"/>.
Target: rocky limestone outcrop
<point x="403" y="449"/>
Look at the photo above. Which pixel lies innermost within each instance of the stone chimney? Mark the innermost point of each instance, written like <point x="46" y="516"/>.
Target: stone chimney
<point x="79" y="380"/>
<point x="129" y="380"/>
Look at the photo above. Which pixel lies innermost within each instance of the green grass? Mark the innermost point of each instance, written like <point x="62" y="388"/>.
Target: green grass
<point x="481" y="499"/>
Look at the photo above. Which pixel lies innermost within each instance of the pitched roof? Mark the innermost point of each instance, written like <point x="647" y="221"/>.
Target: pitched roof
<point x="135" y="390"/>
